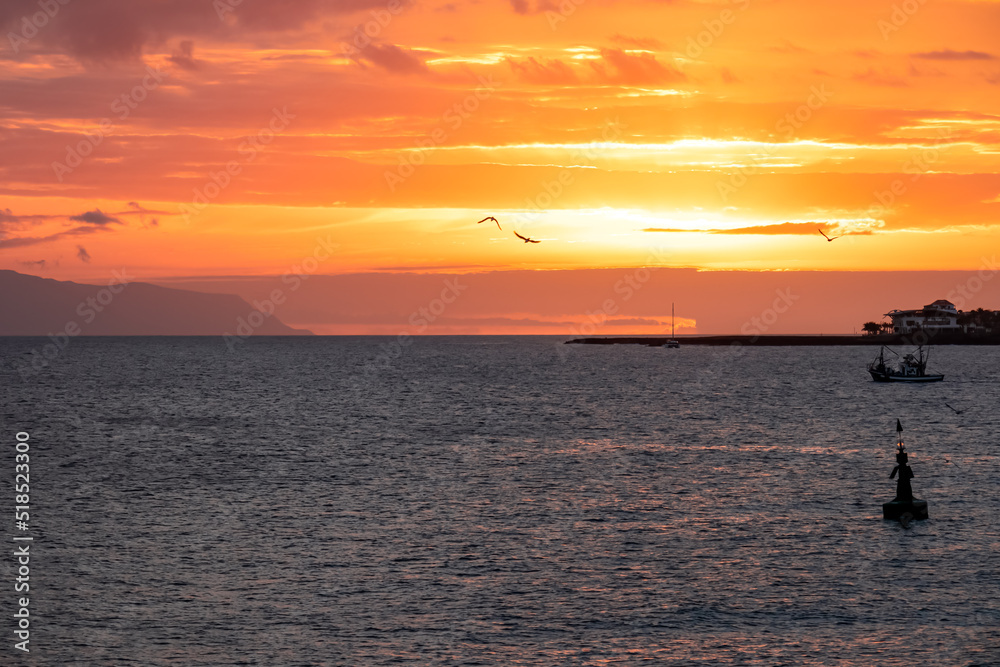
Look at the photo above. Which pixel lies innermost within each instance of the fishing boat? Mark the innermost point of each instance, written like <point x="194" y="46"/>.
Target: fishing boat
<point x="911" y="368"/>
<point x="672" y="342"/>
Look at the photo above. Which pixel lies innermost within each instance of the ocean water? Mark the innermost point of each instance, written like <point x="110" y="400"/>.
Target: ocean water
<point x="500" y="501"/>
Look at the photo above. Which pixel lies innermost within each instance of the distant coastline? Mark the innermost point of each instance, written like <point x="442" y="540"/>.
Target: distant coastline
<point x="800" y="340"/>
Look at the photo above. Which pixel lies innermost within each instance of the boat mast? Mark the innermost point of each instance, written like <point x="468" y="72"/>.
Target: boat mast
<point x="671" y="319"/>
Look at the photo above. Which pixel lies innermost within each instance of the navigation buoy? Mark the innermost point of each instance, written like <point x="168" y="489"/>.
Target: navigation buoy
<point x="904" y="507"/>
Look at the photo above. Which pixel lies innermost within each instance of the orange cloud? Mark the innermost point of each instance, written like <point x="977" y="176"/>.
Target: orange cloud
<point x="618" y="66"/>
<point x="444" y="113"/>
<point x="781" y="228"/>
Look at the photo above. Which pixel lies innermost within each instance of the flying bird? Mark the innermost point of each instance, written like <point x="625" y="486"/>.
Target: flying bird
<point x="827" y="237"/>
<point x="525" y="238"/>
<point x="490" y="217"/>
<point x="957" y="412"/>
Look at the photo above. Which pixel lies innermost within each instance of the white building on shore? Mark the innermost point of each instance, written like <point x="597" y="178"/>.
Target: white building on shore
<point x="939" y="316"/>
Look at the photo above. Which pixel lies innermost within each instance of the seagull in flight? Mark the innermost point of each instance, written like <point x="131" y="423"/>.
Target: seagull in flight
<point x="827" y="237"/>
<point x="490" y="217"/>
<point x="525" y="238"/>
<point x="957" y="412"/>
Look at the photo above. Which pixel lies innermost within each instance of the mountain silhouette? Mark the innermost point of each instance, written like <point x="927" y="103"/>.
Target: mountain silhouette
<point x="34" y="306"/>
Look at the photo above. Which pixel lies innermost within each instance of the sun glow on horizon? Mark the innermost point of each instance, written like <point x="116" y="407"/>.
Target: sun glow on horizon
<point x="230" y="149"/>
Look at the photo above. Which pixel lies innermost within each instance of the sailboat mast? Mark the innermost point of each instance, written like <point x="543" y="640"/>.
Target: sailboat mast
<point x="671" y="319"/>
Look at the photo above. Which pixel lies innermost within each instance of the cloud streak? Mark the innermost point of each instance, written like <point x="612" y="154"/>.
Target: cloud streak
<point x="777" y="229"/>
<point x="948" y="54"/>
<point x="614" y="66"/>
<point x="392" y="58"/>
<point x="105" y="31"/>
<point x="96" y="217"/>
<point x="23" y="241"/>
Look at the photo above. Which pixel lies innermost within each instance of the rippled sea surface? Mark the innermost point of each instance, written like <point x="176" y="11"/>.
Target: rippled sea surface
<point x="501" y="501"/>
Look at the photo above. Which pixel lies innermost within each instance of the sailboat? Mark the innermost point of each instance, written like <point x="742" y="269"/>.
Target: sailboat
<point x="672" y="342"/>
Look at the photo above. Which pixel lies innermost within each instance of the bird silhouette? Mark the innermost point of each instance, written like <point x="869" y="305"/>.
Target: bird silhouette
<point x="947" y="461"/>
<point x="525" y="238"/>
<point x="957" y="412"/>
<point x="827" y="237"/>
<point x="490" y="217"/>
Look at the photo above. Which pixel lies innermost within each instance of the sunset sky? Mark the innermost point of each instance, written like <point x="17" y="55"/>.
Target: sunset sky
<point x="211" y="144"/>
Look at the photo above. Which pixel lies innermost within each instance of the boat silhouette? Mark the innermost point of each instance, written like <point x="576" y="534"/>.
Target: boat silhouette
<point x="910" y="368"/>
<point x="673" y="342"/>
